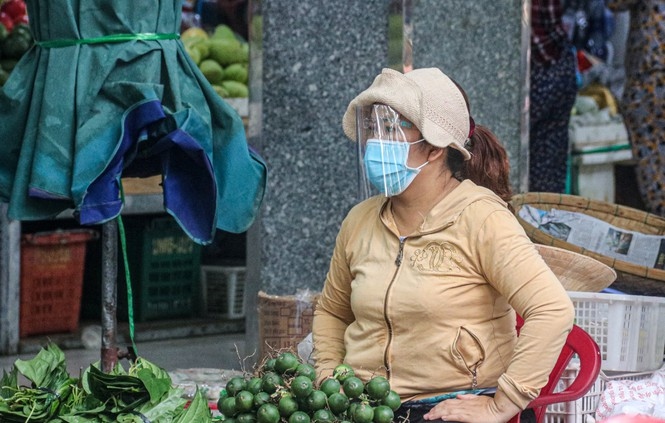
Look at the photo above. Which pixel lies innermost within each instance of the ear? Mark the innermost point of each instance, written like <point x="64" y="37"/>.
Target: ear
<point x="436" y="153"/>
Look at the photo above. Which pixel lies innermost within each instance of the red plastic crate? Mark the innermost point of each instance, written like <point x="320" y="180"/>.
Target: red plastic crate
<point x="52" y="265"/>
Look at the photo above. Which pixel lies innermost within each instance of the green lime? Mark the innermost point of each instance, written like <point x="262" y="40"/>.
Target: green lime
<point x="261" y="398"/>
<point x="338" y="403"/>
<point x="287" y="405"/>
<point x="316" y="400"/>
<point x="269" y="365"/>
<point x="392" y="400"/>
<point x="222" y="395"/>
<point x="383" y="414"/>
<point x="244" y="401"/>
<point x="301" y="386"/>
<point x="286" y="363"/>
<point x="330" y="386"/>
<point x="299" y="417"/>
<point x="342" y="372"/>
<point x="271" y="381"/>
<point x="267" y="413"/>
<point x="352" y="408"/>
<point x="254" y="385"/>
<point x="246" y="418"/>
<point x="323" y="415"/>
<point x="305" y="369"/>
<point x="235" y="385"/>
<point x="364" y="413"/>
<point x="378" y="387"/>
<point x="228" y="407"/>
<point x="353" y="387"/>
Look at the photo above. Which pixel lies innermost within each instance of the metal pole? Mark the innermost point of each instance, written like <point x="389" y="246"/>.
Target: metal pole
<point x="109" y="352"/>
<point x="10" y="282"/>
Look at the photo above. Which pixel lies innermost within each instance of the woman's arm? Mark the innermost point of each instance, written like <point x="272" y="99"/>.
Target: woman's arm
<point x="514" y="267"/>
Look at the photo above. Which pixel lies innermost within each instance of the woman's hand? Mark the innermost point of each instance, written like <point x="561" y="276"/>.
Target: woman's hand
<point x="474" y="409"/>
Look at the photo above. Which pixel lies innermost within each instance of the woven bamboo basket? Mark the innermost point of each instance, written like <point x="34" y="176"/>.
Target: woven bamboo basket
<point x="631" y="278"/>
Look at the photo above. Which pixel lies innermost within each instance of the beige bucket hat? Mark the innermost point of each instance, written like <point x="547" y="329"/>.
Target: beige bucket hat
<point x="575" y="271"/>
<point x="427" y="97"/>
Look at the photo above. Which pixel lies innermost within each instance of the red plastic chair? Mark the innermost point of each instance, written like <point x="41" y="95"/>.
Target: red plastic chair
<point x="578" y="342"/>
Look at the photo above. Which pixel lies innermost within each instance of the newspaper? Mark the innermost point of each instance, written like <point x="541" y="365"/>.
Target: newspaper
<point x="598" y="236"/>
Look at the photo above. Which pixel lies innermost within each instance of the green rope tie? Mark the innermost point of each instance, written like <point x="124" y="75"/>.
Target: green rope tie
<point x="114" y="38"/>
<point x="125" y="260"/>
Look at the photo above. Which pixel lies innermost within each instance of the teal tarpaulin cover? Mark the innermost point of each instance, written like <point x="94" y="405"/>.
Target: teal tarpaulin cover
<point x="109" y="91"/>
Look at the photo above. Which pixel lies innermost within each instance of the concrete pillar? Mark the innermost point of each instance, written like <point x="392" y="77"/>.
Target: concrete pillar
<point x="483" y="45"/>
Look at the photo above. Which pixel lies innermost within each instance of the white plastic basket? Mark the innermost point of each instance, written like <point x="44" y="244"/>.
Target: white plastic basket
<point x="583" y="409"/>
<point x="629" y="329"/>
<point x="223" y="289"/>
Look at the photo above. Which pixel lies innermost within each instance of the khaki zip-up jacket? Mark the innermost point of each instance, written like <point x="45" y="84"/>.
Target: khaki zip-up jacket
<point x="435" y="312"/>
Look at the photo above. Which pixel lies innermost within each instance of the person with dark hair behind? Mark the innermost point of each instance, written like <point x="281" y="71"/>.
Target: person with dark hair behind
<point x="553" y="87"/>
<point x="427" y="278"/>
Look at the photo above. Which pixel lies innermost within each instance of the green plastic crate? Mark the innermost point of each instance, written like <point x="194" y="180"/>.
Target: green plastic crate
<point x="165" y="267"/>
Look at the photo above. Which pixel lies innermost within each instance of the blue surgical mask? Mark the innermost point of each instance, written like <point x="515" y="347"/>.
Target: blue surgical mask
<point x="386" y="168"/>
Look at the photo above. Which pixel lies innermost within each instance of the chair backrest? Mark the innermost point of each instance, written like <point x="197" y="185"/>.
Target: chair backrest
<point x="578" y="342"/>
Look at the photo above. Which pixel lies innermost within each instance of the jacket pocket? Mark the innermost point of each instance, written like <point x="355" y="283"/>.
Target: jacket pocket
<point x="469" y="350"/>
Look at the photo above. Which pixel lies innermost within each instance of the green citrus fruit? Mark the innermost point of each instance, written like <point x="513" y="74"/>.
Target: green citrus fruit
<point x="246" y="418"/>
<point x="378" y="387"/>
<point x="269" y="365"/>
<point x="353" y="387"/>
<point x="222" y="395"/>
<point x="287" y="405"/>
<point x="286" y="363"/>
<point x="235" y="385"/>
<point x="244" y="401"/>
<point x="338" y="403"/>
<point x="305" y="369"/>
<point x="267" y="413"/>
<point x="316" y="400"/>
<point x="342" y="372"/>
<point x="301" y="386"/>
<point x="228" y="407"/>
<point x="230" y="420"/>
<point x="271" y="381"/>
<point x="383" y="414"/>
<point x="392" y="400"/>
<point x="352" y="408"/>
<point x="364" y="413"/>
<point x="254" y="385"/>
<point x="330" y="386"/>
<point x="299" y="417"/>
<point x="323" y="415"/>
<point x="261" y="398"/>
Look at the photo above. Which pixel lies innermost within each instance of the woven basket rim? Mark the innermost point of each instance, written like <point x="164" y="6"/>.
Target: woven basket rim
<point x="583" y="203"/>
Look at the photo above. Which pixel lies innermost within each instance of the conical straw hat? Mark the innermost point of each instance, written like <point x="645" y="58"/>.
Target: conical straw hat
<point x="575" y="271"/>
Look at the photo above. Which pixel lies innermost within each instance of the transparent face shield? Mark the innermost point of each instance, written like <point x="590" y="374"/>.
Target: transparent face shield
<point x="384" y="138"/>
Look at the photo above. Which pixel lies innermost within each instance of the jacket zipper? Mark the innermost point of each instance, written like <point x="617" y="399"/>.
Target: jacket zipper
<point x="400" y="253"/>
<point x="398" y="263"/>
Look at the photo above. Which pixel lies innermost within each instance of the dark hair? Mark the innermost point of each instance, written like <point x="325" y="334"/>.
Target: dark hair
<point x="489" y="165"/>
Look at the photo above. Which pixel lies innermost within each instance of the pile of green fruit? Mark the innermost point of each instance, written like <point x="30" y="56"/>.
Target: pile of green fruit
<point x="284" y="390"/>
<point x="13" y="45"/>
<point x="222" y="57"/>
